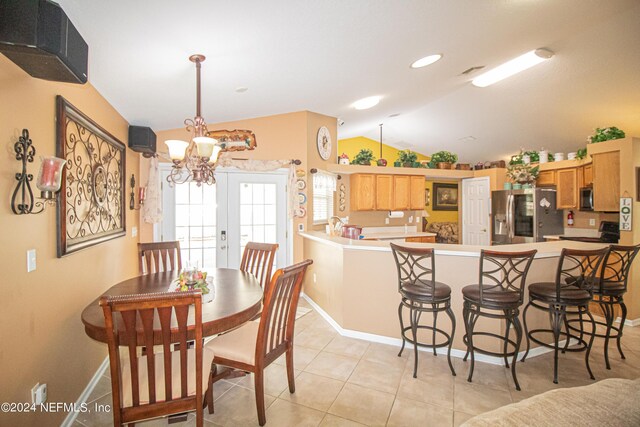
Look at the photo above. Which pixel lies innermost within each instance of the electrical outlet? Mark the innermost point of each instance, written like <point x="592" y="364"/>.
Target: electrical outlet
<point x="301" y="227"/>
<point x="314" y="278"/>
<point x="39" y="394"/>
<point x="592" y="222"/>
<point x="386" y="220"/>
<point x="134" y="231"/>
<point x="31" y="260"/>
<point x="410" y="219"/>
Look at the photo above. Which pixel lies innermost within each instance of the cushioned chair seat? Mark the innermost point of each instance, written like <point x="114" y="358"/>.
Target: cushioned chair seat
<point x="421" y="292"/>
<point x="207" y="358"/>
<point x="472" y="292"/>
<point x="547" y="291"/>
<point x="609" y="288"/>
<point x="238" y="345"/>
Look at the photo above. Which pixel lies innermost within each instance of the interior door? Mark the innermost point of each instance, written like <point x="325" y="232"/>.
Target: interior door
<point x="257" y="212"/>
<point x="476" y="202"/>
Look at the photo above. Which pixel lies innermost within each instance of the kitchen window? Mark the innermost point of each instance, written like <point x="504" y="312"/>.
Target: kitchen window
<point x="324" y="186"/>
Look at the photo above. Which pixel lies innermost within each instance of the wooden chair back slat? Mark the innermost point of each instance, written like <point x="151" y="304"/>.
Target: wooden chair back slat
<point x="139" y="314"/>
<point x="159" y="256"/>
<point x="278" y="312"/>
<point x="257" y="259"/>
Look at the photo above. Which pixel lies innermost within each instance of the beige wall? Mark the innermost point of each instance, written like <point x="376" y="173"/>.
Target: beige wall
<point x="42" y="336"/>
<point x="282" y="136"/>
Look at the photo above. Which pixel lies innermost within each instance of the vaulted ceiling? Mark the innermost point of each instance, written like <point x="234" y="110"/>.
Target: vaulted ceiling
<point x="324" y="55"/>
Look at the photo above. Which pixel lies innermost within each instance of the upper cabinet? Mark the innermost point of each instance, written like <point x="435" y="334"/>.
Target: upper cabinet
<point x="606" y="181"/>
<point x="587" y="175"/>
<point x="363" y="192"/>
<point x="546" y="178"/>
<point x="387" y="192"/>
<point x="567" y="188"/>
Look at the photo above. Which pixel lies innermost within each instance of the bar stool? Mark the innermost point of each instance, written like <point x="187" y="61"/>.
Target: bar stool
<point x="573" y="287"/>
<point x="422" y="294"/>
<point x="609" y="291"/>
<point x="499" y="295"/>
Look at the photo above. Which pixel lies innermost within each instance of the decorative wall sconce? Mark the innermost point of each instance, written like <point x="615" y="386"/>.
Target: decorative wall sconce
<point x="132" y="196"/>
<point x="48" y="182"/>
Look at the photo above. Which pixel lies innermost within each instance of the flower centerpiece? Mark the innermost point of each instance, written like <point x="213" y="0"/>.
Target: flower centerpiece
<point x="443" y="160"/>
<point x="364" y="157"/>
<point x="522" y="174"/>
<point x="605" y="134"/>
<point x="192" y="279"/>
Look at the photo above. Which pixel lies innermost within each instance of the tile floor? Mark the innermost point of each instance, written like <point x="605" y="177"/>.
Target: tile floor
<point x="347" y="382"/>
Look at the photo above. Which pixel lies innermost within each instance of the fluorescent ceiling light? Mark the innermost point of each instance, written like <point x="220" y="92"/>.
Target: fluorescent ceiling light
<point x="427" y="60"/>
<point x="366" y="103"/>
<point x="512" y="67"/>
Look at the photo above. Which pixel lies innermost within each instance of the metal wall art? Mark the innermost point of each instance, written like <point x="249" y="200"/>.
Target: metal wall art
<point x="234" y="140"/>
<point x="92" y="203"/>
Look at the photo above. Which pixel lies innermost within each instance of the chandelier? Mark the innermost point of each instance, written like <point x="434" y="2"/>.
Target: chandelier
<point x="194" y="160"/>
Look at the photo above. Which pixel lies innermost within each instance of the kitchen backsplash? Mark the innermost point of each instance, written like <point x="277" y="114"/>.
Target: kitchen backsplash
<point x="581" y="219"/>
<point x="377" y="219"/>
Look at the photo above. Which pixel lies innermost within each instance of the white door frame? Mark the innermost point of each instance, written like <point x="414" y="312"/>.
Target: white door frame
<point x="466" y="182"/>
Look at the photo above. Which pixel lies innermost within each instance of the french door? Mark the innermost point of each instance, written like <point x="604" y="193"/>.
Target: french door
<point x="215" y="222"/>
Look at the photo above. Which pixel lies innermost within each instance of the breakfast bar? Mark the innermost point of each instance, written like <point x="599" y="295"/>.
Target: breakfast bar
<point x="354" y="283"/>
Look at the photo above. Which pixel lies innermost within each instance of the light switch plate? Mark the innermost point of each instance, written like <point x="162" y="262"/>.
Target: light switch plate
<point x="31" y="260"/>
<point x="134" y="231"/>
<point x="301" y="227"/>
<point x="592" y="222"/>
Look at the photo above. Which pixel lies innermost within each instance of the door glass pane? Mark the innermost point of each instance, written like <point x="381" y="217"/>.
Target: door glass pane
<point x="257" y="213"/>
<point x="195" y="214"/>
<point x="523" y="215"/>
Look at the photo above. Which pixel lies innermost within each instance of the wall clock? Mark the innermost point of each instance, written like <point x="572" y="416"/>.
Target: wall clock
<point x="324" y="143"/>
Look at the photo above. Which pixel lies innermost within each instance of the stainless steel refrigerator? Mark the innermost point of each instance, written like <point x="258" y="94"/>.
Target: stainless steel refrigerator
<point x="524" y="216"/>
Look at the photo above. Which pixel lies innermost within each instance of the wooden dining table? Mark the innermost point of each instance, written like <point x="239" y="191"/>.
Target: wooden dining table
<point x="237" y="299"/>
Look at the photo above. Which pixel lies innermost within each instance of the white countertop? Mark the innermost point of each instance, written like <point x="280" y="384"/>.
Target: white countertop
<point x="545" y="249"/>
<point x="396" y="235"/>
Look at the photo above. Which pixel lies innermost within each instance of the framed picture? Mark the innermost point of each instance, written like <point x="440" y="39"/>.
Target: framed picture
<point x="91" y="208"/>
<point x="445" y="197"/>
<point x="637" y="184"/>
<point x="427" y="197"/>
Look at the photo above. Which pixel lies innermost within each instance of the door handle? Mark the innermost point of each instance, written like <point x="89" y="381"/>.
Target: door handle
<point x="223" y="247"/>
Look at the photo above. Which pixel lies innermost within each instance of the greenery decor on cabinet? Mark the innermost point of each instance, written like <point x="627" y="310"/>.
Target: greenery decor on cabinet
<point x="605" y="134"/>
<point x="364" y="157"/>
<point x="443" y="160"/>
<point x="407" y="158"/>
<point x="581" y="153"/>
<point x="522" y="174"/>
<point x="534" y="157"/>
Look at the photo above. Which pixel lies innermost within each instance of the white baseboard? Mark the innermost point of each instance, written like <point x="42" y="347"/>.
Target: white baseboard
<point x="537" y="351"/>
<point x="628" y="322"/>
<point x="71" y="416"/>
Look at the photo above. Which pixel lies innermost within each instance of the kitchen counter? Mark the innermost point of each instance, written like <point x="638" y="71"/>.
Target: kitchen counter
<point x="354" y="285"/>
<point x="396" y="235"/>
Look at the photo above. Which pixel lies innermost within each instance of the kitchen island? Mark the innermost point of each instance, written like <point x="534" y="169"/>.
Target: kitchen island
<point x="353" y="283"/>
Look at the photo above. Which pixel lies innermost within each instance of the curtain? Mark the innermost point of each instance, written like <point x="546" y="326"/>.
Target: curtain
<point x="152" y="207"/>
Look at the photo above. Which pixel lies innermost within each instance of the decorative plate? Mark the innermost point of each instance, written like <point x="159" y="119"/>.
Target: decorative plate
<point x="302" y="198"/>
<point x="301" y="184"/>
<point x="324" y="143"/>
<point x="300" y="212"/>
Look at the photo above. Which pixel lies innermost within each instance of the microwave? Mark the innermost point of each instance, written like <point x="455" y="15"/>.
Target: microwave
<point x="586" y="199"/>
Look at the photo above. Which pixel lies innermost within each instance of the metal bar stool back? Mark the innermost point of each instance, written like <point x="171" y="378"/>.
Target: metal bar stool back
<point x="499" y="295"/>
<point x="575" y="280"/>
<point x="421" y="293"/>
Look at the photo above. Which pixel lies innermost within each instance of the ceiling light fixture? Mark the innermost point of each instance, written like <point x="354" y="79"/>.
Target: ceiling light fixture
<point x="366" y="103"/>
<point x="195" y="160"/>
<point x="512" y="67"/>
<point x="427" y="60"/>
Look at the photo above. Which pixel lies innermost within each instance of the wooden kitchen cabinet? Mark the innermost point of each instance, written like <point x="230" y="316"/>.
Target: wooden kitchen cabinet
<point x="566" y="188"/>
<point x="363" y="192"/>
<point x="401" y="193"/>
<point x="587" y="175"/>
<point x="606" y="181"/>
<point x="423" y="239"/>
<point x="384" y="192"/>
<point x="417" y="193"/>
<point x="546" y="178"/>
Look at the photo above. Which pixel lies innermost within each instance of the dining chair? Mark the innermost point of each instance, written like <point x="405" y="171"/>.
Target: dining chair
<point x="156" y="257"/>
<point x="257" y="259"/>
<point x="157" y="383"/>
<point x="255" y="345"/>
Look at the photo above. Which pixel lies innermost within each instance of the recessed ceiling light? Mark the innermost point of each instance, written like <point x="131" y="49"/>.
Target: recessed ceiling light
<point x="512" y="67"/>
<point x="469" y="138"/>
<point x="427" y="60"/>
<point x="366" y="103"/>
<point x="394" y="115"/>
<point x="241" y="89"/>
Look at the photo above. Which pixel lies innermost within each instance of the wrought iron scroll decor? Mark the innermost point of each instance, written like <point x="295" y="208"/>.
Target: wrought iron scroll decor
<point x="92" y="201"/>
<point x="24" y="152"/>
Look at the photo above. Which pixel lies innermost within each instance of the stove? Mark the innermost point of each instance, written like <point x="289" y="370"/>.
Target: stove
<point x="609" y="233"/>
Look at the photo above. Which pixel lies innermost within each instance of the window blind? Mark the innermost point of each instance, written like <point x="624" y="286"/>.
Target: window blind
<point x="324" y="186"/>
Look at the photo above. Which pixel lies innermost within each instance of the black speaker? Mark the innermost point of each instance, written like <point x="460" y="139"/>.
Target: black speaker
<point x="142" y="140"/>
<point x="40" y="39"/>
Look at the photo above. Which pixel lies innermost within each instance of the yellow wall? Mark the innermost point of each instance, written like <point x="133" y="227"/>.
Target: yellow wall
<point x="42" y="335"/>
<point x="351" y="146"/>
<point x="441" y="216"/>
